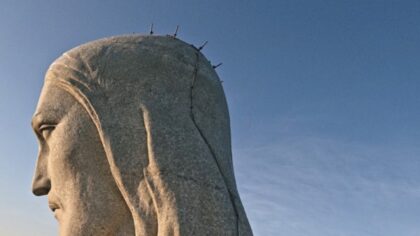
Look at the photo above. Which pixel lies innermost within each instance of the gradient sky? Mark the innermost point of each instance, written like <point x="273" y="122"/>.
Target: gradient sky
<point x="323" y="96"/>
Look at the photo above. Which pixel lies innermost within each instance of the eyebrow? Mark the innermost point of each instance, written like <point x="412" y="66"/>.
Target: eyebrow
<point x="36" y="120"/>
<point x="44" y="117"/>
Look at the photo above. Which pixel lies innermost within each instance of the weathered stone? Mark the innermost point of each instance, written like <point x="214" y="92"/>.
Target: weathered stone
<point x="135" y="139"/>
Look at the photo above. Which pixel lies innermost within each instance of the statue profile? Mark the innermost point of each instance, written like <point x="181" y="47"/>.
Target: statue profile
<point x="134" y="138"/>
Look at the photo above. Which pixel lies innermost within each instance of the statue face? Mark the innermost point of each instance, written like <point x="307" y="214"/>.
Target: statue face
<point x="73" y="171"/>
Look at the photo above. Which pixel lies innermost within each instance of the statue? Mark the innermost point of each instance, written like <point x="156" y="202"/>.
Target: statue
<point x="134" y="139"/>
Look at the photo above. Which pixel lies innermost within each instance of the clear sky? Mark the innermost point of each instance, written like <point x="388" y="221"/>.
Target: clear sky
<point x="323" y="95"/>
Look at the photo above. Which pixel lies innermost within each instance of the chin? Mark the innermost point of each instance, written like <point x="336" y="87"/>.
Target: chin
<point x="77" y="226"/>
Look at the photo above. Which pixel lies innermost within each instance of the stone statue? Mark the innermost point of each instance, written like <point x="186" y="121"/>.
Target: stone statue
<point x="134" y="139"/>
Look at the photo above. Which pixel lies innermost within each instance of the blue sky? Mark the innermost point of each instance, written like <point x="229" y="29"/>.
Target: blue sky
<point x="323" y="95"/>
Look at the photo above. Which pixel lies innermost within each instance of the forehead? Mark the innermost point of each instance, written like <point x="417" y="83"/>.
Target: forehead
<point x="54" y="102"/>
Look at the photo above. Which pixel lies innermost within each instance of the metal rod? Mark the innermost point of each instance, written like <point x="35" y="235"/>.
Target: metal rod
<point x="202" y="46"/>
<point x="214" y="67"/>
<point x="151" y="29"/>
<point x="176" y="31"/>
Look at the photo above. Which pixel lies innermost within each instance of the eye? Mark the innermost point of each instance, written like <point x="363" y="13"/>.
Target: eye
<point x="46" y="129"/>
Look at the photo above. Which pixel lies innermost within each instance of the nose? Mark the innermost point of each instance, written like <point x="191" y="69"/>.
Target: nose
<point x="41" y="184"/>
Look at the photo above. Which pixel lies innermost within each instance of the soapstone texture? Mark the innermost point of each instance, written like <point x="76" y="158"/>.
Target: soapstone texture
<point x="135" y="133"/>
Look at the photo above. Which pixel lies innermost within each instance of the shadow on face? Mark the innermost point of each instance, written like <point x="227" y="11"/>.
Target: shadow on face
<point x="73" y="171"/>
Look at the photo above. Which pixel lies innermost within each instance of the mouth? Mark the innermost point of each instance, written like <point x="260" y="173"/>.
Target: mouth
<point x="53" y="206"/>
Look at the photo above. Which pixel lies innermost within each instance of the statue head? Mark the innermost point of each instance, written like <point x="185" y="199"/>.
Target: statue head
<point x="134" y="139"/>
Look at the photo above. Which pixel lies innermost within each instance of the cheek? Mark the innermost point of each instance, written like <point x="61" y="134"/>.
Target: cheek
<point x="81" y="178"/>
<point x="63" y="165"/>
<point x="69" y="182"/>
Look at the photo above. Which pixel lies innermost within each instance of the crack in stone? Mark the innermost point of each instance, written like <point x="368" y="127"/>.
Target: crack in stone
<point x="213" y="154"/>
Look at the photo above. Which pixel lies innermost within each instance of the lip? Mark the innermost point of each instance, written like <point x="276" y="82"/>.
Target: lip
<point x="55" y="208"/>
<point x="54" y="204"/>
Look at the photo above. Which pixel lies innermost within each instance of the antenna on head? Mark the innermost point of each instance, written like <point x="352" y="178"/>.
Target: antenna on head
<point x="202" y="46"/>
<point x="214" y="67"/>
<point x="176" y="31"/>
<point x="151" y="29"/>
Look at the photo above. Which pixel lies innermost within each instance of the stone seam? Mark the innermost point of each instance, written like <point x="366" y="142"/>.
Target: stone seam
<point x="231" y="196"/>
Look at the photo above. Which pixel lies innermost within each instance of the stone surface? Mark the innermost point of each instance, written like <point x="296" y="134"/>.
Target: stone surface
<point x="134" y="139"/>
